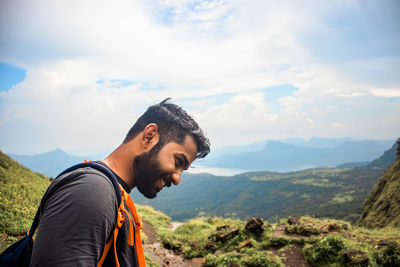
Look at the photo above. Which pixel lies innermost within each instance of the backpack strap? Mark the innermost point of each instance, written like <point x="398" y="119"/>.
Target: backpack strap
<point x="134" y="235"/>
<point x="100" y="168"/>
<point x="138" y="226"/>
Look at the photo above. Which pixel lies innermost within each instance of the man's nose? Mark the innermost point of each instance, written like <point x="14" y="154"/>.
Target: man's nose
<point x="176" y="177"/>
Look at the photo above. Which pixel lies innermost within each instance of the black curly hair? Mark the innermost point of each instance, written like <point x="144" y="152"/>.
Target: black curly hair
<point x="174" y="124"/>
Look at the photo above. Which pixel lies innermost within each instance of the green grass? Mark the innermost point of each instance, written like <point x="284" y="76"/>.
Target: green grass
<point x="158" y="219"/>
<point x="325" y="242"/>
<point x="192" y="237"/>
<point x="382" y="206"/>
<point x="342" y="197"/>
<point x="20" y="193"/>
<point x="246" y="257"/>
<point x="150" y="262"/>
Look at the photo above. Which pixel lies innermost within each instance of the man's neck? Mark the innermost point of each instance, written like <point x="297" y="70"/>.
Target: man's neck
<point x="121" y="162"/>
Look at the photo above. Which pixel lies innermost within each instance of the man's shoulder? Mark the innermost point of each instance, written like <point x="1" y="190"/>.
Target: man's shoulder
<point x="84" y="175"/>
<point x="83" y="184"/>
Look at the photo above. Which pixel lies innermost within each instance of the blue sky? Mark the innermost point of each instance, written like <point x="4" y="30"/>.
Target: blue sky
<point x="10" y="76"/>
<point x="76" y="74"/>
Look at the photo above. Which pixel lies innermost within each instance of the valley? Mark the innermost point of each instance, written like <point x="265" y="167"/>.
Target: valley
<point x="335" y="193"/>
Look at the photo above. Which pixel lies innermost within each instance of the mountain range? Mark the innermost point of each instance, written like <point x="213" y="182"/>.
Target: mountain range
<point x="295" y="154"/>
<point x="53" y="162"/>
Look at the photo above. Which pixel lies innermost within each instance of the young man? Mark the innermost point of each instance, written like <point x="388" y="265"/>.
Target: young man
<point x="79" y="217"/>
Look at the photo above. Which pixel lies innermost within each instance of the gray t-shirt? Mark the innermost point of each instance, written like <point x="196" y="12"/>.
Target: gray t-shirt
<point x="77" y="220"/>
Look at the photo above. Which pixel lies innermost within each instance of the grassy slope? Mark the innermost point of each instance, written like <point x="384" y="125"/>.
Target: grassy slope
<point x="382" y="206"/>
<point x="325" y="242"/>
<point x="20" y="193"/>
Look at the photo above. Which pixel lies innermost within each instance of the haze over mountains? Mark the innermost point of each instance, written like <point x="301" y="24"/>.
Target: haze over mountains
<point x="53" y="162"/>
<point x="279" y="156"/>
<point x="297" y="154"/>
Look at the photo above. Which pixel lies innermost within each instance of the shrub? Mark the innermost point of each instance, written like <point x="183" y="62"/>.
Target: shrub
<point x="257" y="259"/>
<point x="193" y="238"/>
<point x="328" y="250"/>
<point x="251" y="258"/>
<point x="223" y="260"/>
<point x="387" y="255"/>
<point x="304" y="230"/>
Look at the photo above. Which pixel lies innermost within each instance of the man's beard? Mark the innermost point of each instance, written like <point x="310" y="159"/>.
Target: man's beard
<point x="147" y="171"/>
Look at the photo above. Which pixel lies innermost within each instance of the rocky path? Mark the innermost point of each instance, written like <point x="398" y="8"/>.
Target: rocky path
<point x="291" y="256"/>
<point x="163" y="256"/>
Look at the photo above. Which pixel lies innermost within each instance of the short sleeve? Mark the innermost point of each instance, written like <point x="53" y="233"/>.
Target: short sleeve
<point x="76" y="221"/>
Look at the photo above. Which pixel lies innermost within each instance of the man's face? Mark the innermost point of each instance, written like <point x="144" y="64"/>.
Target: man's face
<point x="158" y="168"/>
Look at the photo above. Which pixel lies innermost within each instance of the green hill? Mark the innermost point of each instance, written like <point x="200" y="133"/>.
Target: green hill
<point x="382" y="206"/>
<point x="303" y="241"/>
<point x="20" y="193"/>
<point x="335" y="193"/>
<point x="384" y="161"/>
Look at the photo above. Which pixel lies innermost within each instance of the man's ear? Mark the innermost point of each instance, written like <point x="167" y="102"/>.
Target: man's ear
<point x="150" y="136"/>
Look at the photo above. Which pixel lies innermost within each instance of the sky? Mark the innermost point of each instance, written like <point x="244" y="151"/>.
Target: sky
<point x="77" y="74"/>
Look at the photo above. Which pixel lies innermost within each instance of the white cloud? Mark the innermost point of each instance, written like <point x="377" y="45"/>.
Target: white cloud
<point x="386" y="92"/>
<point x="216" y="56"/>
<point x="310" y="121"/>
<point x="337" y="126"/>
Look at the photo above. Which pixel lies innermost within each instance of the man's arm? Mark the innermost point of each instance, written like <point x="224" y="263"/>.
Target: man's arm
<point x="76" y="222"/>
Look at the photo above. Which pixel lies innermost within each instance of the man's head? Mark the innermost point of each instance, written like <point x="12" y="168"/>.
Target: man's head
<point x="180" y="141"/>
<point x="174" y="124"/>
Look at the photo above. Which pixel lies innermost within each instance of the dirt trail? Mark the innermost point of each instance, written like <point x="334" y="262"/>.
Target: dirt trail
<point x="163" y="256"/>
<point x="280" y="231"/>
<point x="291" y="256"/>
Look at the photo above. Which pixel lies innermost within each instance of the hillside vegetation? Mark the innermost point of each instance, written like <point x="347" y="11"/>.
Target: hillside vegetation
<point x="303" y="241"/>
<point x="336" y="193"/>
<point x="20" y="193"/>
<point x="382" y="206"/>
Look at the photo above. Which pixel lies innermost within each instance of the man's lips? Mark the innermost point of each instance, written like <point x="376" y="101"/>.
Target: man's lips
<point x="162" y="182"/>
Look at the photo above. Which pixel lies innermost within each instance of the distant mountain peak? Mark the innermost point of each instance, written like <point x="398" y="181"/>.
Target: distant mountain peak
<point x="57" y="151"/>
